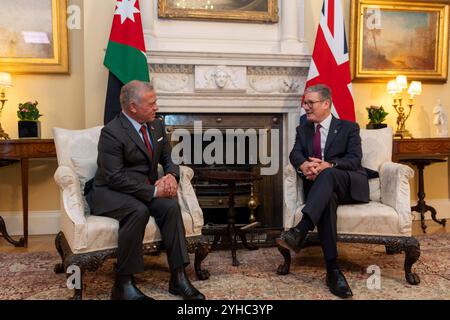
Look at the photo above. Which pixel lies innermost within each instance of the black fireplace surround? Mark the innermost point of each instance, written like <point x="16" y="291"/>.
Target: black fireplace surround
<point x="213" y="197"/>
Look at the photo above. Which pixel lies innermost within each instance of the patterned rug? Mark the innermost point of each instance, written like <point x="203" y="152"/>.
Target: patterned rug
<point x="30" y="275"/>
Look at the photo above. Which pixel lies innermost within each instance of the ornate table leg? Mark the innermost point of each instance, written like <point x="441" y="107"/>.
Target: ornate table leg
<point x="433" y="216"/>
<point x="231" y="224"/>
<point x="421" y="206"/>
<point x="24" y="169"/>
<point x="7" y="237"/>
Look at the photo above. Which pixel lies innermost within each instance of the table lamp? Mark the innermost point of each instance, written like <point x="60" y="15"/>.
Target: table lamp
<point x="395" y="88"/>
<point x="5" y="82"/>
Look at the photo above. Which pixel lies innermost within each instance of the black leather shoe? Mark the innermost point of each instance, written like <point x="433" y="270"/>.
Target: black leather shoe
<point x="338" y="285"/>
<point x="292" y="239"/>
<point x="125" y="289"/>
<point x="179" y="284"/>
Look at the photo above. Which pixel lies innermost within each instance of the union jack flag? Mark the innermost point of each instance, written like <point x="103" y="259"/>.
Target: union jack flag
<point x="330" y="62"/>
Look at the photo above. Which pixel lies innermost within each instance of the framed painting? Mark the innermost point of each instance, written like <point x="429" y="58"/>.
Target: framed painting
<point x="33" y="36"/>
<point x="392" y="37"/>
<point x="253" y="11"/>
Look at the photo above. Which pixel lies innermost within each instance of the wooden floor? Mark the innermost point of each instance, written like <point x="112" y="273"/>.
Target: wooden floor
<point x="46" y="242"/>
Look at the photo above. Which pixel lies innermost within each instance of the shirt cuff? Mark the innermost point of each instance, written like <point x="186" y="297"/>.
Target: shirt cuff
<point x="155" y="192"/>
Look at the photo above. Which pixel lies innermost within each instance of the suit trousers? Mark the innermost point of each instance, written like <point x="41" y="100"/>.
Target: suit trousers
<point x="133" y="217"/>
<point x="323" y="195"/>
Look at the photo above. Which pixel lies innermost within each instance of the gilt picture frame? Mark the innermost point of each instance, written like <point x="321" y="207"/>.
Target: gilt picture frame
<point x="399" y="37"/>
<point x="34" y="36"/>
<point x="250" y="11"/>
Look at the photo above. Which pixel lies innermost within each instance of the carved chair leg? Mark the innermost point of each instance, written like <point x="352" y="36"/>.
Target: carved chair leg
<point x="201" y="251"/>
<point x="59" y="267"/>
<point x="284" y="268"/>
<point x="412" y="254"/>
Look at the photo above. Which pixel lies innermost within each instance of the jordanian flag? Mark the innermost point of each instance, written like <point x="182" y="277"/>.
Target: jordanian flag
<point x="125" y="56"/>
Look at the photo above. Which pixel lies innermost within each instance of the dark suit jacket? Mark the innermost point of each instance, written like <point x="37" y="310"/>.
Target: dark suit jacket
<point x="343" y="146"/>
<point x="125" y="167"/>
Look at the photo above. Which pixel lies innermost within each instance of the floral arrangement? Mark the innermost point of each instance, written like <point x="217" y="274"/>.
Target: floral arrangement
<point x="28" y="111"/>
<point x="376" y="114"/>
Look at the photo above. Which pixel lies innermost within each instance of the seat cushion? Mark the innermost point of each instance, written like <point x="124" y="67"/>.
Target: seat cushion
<point x="373" y="218"/>
<point x="103" y="232"/>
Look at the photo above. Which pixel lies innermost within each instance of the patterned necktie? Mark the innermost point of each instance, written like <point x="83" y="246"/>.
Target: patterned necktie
<point x="146" y="140"/>
<point x="316" y="143"/>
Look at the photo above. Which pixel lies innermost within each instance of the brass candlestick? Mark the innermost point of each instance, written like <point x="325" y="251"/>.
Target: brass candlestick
<point x="252" y="205"/>
<point x="401" y="131"/>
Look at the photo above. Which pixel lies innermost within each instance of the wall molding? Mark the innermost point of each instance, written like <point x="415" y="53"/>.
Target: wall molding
<point x="39" y="222"/>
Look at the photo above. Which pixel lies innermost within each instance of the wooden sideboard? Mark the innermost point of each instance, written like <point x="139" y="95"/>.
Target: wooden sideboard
<point x="22" y="150"/>
<point x="420" y="148"/>
<point x="421" y="153"/>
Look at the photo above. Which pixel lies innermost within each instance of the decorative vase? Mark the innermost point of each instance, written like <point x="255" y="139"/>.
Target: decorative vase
<point x="29" y="129"/>
<point x="376" y="125"/>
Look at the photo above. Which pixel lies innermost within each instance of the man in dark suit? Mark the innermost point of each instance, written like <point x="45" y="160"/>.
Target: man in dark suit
<point x="327" y="155"/>
<point x="126" y="187"/>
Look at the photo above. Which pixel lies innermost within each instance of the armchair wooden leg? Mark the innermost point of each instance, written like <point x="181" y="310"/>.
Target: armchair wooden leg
<point x="201" y="252"/>
<point x="284" y="268"/>
<point x="412" y="254"/>
<point x="59" y="267"/>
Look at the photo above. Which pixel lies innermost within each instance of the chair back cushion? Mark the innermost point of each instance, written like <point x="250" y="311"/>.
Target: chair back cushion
<point x="376" y="147"/>
<point x="77" y="149"/>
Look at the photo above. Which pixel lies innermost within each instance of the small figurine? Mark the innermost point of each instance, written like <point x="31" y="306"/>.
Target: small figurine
<point x="440" y="120"/>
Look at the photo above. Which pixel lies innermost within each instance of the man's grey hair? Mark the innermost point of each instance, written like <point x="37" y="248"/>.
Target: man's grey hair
<point x="132" y="92"/>
<point x="323" y="90"/>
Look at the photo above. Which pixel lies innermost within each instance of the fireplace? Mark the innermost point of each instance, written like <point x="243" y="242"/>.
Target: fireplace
<point x="260" y="132"/>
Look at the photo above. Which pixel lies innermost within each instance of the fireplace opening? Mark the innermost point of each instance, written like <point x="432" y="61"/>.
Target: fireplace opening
<point x="251" y="132"/>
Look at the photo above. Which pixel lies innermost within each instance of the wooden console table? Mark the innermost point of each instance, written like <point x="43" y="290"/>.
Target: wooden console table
<point x="22" y="150"/>
<point x="420" y="148"/>
<point x="421" y="153"/>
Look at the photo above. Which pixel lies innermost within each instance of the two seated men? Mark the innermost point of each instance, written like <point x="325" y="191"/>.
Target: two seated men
<point x="327" y="154"/>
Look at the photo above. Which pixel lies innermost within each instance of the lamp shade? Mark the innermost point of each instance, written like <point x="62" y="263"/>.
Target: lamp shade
<point x="5" y="79"/>
<point x="415" y="88"/>
<point x="402" y="82"/>
<point x="392" y="87"/>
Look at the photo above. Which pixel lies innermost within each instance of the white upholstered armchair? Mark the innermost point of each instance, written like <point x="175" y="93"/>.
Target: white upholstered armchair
<point x="87" y="240"/>
<point x="385" y="220"/>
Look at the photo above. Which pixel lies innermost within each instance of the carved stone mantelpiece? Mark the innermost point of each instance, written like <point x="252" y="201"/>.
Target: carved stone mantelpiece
<point x="240" y="80"/>
<point x="225" y="83"/>
<point x="220" y="78"/>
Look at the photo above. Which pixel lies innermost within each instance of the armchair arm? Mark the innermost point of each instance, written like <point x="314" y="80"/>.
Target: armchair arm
<point x="73" y="220"/>
<point x="395" y="191"/>
<point x="73" y="201"/>
<point x="188" y="200"/>
<point x="293" y="195"/>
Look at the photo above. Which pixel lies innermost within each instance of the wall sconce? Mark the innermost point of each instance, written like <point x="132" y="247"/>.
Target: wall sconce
<point x="5" y="82"/>
<point x="396" y="87"/>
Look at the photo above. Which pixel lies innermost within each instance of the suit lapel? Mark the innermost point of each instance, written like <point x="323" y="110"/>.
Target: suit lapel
<point x="332" y="133"/>
<point x="132" y="133"/>
<point x="309" y="128"/>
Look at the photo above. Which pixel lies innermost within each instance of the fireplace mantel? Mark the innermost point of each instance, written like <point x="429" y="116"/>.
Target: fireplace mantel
<point x="232" y="83"/>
